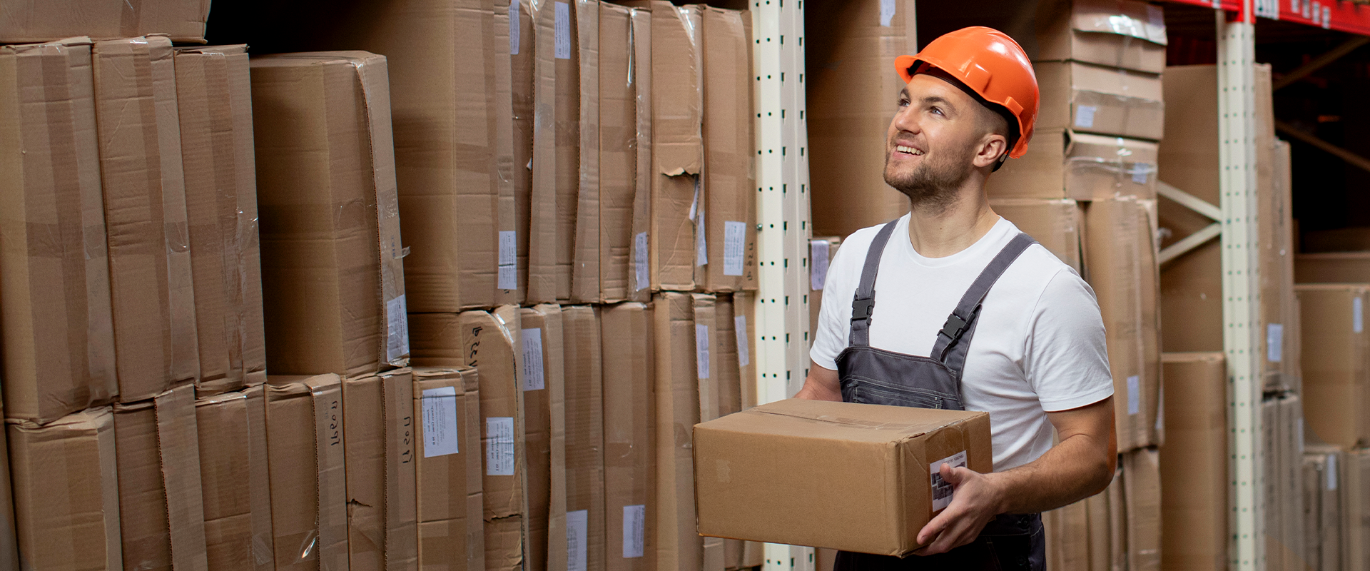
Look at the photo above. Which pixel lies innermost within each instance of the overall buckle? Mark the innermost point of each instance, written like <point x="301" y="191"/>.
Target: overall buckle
<point x="862" y="309"/>
<point x="954" y="327"/>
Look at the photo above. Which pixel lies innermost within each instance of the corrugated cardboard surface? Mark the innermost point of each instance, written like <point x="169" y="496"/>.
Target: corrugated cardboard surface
<point x="453" y="141"/>
<point x="1058" y="225"/>
<point x="639" y="278"/>
<point x="1099" y="100"/>
<point x="736" y="377"/>
<point x="151" y="283"/>
<point x="852" y="98"/>
<point x="1337" y="368"/>
<point x="744" y="319"/>
<point x="9" y="540"/>
<point x="711" y="395"/>
<point x="542" y="240"/>
<point x="629" y="437"/>
<point x="729" y="152"/>
<point x="450" y="477"/>
<point x="544" y="430"/>
<point x="1356" y="524"/>
<point x="214" y="98"/>
<point x="1116" y="33"/>
<point x="1332" y="267"/>
<point x="1117" y="521"/>
<point x="522" y="62"/>
<point x="1082" y="166"/>
<point x="161" y="511"/>
<point x="66" y="491"/>
<point x="235" y="481"/>
<point x="183" y="20"/>
<point x="1278" y="314"/>
<point x="1325" y="487"/>
<point x="618" y="157"/>
<point x="506" y="207"/>
<point x="1120" y="255"/>
<point x="1143" y="491"/>
<point x="305" y="449"/>
<point x="584" y="420"/>
<point x="1193" y="462"/>
<point x="1291" y="480"/>
<point x="677" y="410"/>
<point x="378" y="429"/>
<point x="759" y="478"/>
<point x="331" y="256"/>
<point x="585" y="234"/>
<point x="58" y="338"/>
<point x="677" y="145"/>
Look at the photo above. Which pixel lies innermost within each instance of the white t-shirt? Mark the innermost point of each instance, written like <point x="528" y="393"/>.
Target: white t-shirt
<point x="1038" y="347"/>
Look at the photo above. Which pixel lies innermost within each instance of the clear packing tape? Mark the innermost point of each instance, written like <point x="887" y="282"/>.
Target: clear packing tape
<point x="1130" y="19"/>
<point x="1111" y="112"/>
<point x="1110" y="166"/>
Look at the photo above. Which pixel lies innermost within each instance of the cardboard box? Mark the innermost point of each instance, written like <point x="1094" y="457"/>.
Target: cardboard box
<point x="1100" y="548"/>
<point x="1338" y="240"/>
<point x="584" y="420"/>
<point x="821" y="252"/>
<point x="378" y="429"/>
<point x="736" y="377"/>
<point x="757" y="479"/>
<point x="305" y="450"/>
<point x="639" y="281"/>
<point x="1193" y="462"/>
<point x="744" y="330"/>
<point x="1290" y="480"/>
<point x="1332" y="268"/>
<point x="58" y="337"/>
<point x="1116" y="33"/>
<point x="1082" y="166"/>
<point x="214" y="100"/>
<point x="1271" y="435"/>
<point x="678" y="406"/>
<point x="1323" y="524"/>
<point x="332" y="271"/>
<point x="852" y="97"/>
<point x="182" y="20"/>
<point x="1117" y="520"/>
<point x="729" y="216"/>
<point x="542" y="245"/>
<point x="1143" y="491"/>
<point x="1338" y="365"/>
<point x="583" y="281"/>
<point x="1100" y="100"/>
<point x="451" y="527"/>
<point x="151" y="283"/>
<point x="451" y="102"/>
<point x="66" y="491"/>
<point x="712" y="396"/>
<point x="1120" y="255"/>
<point x="161" y="511"/>
<point x="544" y="430"/>
<point x="1356" y="515"/>
<point x="9" y="539"/>
<point x="522" y="64"/>
<point x="629" y="436"/>
<point x="604" y="214"/>
<point x="235" y="482"/>
<point x="677" y="146"/>
<point x="1275" y="241"/>
<point x="1059" y="225"/>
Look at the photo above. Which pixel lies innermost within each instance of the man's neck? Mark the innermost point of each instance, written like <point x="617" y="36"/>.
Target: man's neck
<point x="938" y="233"/>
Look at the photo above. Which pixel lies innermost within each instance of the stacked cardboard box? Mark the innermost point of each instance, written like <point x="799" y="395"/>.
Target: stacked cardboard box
<point x="1193" y="462"/>
<point x="1324" y="503"/>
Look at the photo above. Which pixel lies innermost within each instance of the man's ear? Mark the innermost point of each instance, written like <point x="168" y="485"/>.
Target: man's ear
<point x="992" y="147"/>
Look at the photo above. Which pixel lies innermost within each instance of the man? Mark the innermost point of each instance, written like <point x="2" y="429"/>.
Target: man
<point x="970" y="313"/>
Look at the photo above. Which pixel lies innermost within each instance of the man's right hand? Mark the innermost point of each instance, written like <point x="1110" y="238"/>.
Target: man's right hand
<point x="821" y="384"/>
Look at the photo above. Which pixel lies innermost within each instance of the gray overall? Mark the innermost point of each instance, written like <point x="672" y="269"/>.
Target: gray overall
<point x="876" y="376"/>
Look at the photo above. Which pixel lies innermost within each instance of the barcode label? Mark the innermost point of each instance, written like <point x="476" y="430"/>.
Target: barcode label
<point x="818" y="264"/>
<point x="702" y="350"/>
<point x="577" y="539"/>
<point x="508" y="256"/>
<point x="439" y="422"/>
<point x="942" y="491"/>
<point x="734" y="237"/>
<point x="1274" y="342"/>
<point x="640" y="261"/>
<point x="396" y="329"/>
<point x="563" y="31"/>
<point x="1134" y="395"/>
<point x="499" y="446"/>
<point x="1084" y="116"/>
<point x="744" y="356"/>
<point x="533" y="378"/>
<point x="634" y="523"/>
<point x="513" y="27"/>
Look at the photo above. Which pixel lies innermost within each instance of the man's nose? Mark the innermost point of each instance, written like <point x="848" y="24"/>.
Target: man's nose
<point x="906" y="121"/>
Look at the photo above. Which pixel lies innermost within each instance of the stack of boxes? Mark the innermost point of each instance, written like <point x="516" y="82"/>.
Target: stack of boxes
<point x="182" y="220"/>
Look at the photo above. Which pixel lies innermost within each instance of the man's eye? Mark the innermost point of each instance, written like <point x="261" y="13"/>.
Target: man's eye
<point x="903" y="102"/>
<point x="937" y="110"/>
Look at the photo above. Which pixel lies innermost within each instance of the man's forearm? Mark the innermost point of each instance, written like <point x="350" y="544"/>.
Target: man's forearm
<point x="1069" y="472"/>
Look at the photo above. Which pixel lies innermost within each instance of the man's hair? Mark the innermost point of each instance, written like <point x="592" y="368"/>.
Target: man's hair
<point x="1010" y="121"/>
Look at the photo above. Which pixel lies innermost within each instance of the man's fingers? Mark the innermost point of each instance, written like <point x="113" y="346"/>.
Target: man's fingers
<point x="933" y="528"/>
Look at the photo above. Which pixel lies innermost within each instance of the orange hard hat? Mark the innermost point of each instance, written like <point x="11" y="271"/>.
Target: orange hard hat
<point x="989" y="63"/>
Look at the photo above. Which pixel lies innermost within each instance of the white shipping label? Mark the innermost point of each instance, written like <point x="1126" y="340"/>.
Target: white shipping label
<point x="439" y="421"/>
<point x="1084" y="116"/>
<point x="577" y="540"/>
<point x="818" y="264"/>
<point x="1317" y="14"/>
<point x="634" y="522"/>
<point x="1357" y="320"/>
<point x="1140" y="172"/>
<point x="1331" y="472"/>
<point x="508" y="255"/>
<point x="734" y="240"/>
<point x="887" y="12"/>
<point x="499" y="446"/>
<point x="1134" y="395"/>
<point x="513" y="27"/>
<point x="1307" y="6"/>
<point x="701" y="242"/>
<point x="1160" y="408"/>
<point x="1326" y="17"/>
<point x="563" y="32"/>
<point x="396" y="329"/>
<point x="1274" y="342"/>
<point x="702" y="350"/>
<point x="533" y="378"/>
<point x="942" y="491"/>
<point x="744" y="355"/>
<point x="640" y="261"/>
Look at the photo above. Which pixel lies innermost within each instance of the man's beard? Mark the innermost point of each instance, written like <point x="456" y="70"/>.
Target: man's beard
<point x="931" y="186"/>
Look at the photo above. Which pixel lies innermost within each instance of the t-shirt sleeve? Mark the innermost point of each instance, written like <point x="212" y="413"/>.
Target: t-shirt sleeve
<point x="1067" y="357"/>
<point x="834" y="316"/>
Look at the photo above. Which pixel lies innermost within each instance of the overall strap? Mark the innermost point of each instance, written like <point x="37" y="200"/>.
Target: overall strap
<point x="863" y="303"/>
<point x="962" y="319"/>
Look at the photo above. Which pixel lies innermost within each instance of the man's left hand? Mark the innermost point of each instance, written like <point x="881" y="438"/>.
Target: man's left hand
<point x="975" y="503"/>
